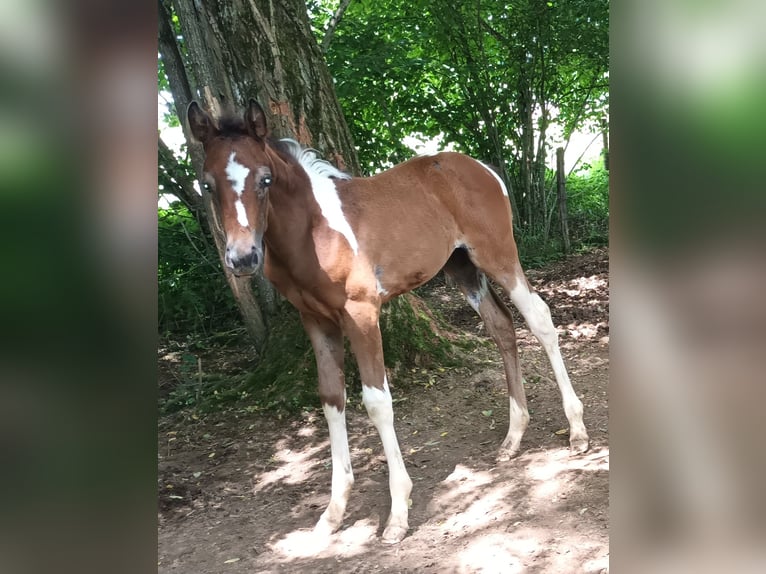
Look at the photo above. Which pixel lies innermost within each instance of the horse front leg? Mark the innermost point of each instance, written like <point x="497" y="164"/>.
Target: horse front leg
<point x="327" y="340"/>
<point x="361" y="327"/>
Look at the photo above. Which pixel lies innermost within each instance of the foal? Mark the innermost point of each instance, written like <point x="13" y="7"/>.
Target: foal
<point x="339" y="247"/>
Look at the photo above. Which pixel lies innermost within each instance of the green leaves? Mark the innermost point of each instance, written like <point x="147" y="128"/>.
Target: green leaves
<point x="492" y="77"/>
<point x="192" y="290"/>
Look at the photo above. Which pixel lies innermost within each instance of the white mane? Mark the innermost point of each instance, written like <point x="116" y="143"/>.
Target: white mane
<point x="313" y="164"/>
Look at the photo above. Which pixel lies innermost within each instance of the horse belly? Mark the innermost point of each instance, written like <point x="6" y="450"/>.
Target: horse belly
<point x="411" y="263"/>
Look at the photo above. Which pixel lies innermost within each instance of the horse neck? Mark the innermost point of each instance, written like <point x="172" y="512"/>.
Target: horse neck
<point x="291" y="210"/>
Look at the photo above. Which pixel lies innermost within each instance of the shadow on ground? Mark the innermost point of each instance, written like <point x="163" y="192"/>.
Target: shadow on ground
<point x="240" y="492"/>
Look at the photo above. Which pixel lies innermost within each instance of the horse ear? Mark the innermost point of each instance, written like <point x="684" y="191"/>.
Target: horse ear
<point x="255" y="120"/>
<point x="200" y="123"/>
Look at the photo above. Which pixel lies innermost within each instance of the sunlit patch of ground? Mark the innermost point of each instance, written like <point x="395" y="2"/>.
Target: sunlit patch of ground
<point x="294" y="466"/>
<point x="351" y="541"/>
<point x="248" y="489"/>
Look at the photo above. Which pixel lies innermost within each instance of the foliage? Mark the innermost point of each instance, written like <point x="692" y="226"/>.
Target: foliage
<point x="285" y="379"/>
<point x="192" y="291"/>
<point x="588" y="207"/>
<point x="490" y="76"/>
<point x="588" y="203"/>
<point x="199" y="391"/>
<point x="413" y="333"/>
<point x="286" y="376"/>
<point x="169" y="116"/>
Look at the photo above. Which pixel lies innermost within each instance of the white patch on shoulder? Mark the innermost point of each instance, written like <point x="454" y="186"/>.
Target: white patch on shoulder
<point x="329" y="202"/>
<point x="497" y="177"/>
<point x="320" y="173"/>
<point x="237" y="174"/>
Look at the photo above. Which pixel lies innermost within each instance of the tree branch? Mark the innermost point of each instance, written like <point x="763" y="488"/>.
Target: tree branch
<point x="333" y="24"/>
<point x="183" y="182"/>
<point x="503" y="39"/>
<point x="173" y="62"/>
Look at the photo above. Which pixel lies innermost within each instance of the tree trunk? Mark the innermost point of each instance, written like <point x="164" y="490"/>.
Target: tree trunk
<point x="605" y="135"/>
<point x="227" y="54"/>
<point x="527" y="138"/>
<point x="265" y="50"/>
<point x="178" y="78"/>
<point x="262" y="50"/>
<point x="562" y="195"/>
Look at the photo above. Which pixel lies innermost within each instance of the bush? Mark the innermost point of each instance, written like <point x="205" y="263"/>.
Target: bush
<point x="192" y="290"/>
<point x="588" y="205"/>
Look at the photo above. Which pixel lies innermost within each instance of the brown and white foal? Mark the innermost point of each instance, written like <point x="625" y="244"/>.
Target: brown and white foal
<point x="339" y="247"/>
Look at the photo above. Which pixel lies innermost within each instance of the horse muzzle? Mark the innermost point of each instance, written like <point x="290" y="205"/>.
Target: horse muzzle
<point x="245" y="261"/>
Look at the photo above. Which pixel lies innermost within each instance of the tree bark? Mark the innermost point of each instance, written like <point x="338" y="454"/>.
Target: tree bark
<point x="605" y="135"/>
<point x="264" y="50"/>
<point x="261" y="49"/>
<point x="180" y="86"/>
<point x="562" y="196"/>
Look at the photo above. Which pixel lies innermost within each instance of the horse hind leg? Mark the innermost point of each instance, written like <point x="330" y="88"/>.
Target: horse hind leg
<point x="497" y="318"/>
<point x="538" y="317"/>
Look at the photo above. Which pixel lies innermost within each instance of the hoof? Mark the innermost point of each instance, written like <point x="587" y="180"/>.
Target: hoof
<point x="578" y="445"/>
<point x="324" y="529"/>
<point x="506" y="454"/>
<point x="393" y="534"/>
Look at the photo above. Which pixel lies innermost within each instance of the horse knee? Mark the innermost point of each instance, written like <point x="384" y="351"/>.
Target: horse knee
<point x="333" y="397"/>
<point x="378" y="403"/>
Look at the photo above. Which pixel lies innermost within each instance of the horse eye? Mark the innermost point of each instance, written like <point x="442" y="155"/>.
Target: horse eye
<point x="207" y="187"/>
<point x="266" y="181"/>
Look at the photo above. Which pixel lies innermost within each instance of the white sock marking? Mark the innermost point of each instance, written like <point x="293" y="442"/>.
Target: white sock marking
<point x="342" y="474"/>
<point x="538" y="318"/>
<point x="381" y="412"/>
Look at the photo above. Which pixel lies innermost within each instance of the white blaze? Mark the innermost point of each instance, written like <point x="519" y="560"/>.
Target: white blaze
<point x="241" y="213"/>
<point x="237" y="174"/>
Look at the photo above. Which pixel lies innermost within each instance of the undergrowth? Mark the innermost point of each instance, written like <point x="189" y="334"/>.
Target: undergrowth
<point x="285" y="379"/>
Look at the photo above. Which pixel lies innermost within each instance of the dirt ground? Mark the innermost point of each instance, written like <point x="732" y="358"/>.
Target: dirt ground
<point x="239" y="492"/>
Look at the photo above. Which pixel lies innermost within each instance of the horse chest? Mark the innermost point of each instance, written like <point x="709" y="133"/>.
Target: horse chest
<point x="307" y="292"/>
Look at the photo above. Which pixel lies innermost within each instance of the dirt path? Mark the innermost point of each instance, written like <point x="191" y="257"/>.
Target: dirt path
<point x="240" y="493"/>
